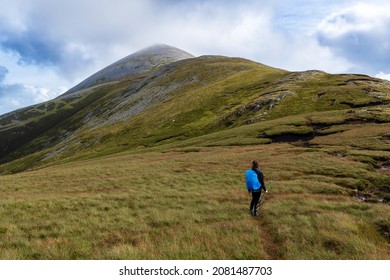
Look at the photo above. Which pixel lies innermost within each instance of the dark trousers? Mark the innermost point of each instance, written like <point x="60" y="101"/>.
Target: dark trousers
<point x="255" y="200"/>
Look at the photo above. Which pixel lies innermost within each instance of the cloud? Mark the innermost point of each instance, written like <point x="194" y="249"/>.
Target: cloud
<point x="361" y="34"/>
<point x="3" y="73"/>
<point x="249" y="30"/>
<point x="14" y="96"/>
<point x="33" y="48"/>
<point x="79" y="37"/>
<point x="56" y="43"/>
<point x="381" y="75"/>
<point x="70" y="35"/>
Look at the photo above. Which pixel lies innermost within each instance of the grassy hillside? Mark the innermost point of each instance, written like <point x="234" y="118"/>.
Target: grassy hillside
<point x="189" y="202"/>
<point x="179" y="101"/>
<point x="140" y="110"/>
<point x="152" y="166"/>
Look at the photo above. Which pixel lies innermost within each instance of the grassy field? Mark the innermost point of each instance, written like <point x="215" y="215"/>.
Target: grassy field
<point x="190" y="202"/>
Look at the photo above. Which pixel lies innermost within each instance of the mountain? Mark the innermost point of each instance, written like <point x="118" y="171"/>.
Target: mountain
<point x="162" y="94"/>
<point x="30" y="124"/>
<point x="146" y="158"/>
<point x="136" y="63"/>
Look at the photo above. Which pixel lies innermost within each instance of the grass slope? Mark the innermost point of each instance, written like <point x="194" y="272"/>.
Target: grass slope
<point x="187" y="199"/>
<point x="152" y="167"/>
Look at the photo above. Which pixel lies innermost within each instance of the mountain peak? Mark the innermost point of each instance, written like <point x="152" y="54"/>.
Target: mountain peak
<point x="164" y="50"/>
<point x="135" y="63"/>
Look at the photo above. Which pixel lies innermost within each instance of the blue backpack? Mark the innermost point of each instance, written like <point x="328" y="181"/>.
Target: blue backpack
<point x="252" y="181"/>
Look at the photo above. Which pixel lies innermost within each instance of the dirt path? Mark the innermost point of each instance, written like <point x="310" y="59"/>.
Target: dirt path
<point x="272" y="248"/>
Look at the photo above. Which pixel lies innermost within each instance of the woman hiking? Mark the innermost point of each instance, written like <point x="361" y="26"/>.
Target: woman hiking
<point x="254" y="183"/>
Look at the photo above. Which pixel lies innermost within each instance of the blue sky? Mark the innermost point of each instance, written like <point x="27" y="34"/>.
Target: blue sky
<point x="48" y="46"/>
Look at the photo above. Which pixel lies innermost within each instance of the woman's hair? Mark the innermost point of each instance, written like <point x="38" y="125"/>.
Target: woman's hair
<point x="255" y="164"/>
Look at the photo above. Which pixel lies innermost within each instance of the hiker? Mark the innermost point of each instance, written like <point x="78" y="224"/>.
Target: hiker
<point x="254" y="183"/>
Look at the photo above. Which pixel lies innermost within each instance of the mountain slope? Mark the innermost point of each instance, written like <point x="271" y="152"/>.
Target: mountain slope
<point x="177" y="101"/>
<point x="24" y="125"/>
<point x="151" y="166"/>
<point x="112" y="104"/>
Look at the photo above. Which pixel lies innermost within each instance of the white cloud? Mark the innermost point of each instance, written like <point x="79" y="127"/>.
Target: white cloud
<point x="361" y="17"/>
<point x="14" y="96"/>
<point x="23" y="85"/>
<point x="80" y="37"/>
<point x="40" y="94"/>
<point x="381" y="75"/>
<point x="248" y="33"/>
<point x="360" y="34"/>
<point x="15" y="102"/>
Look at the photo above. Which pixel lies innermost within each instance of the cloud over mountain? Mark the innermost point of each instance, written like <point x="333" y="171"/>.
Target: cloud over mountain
<point x="360" y="33"/>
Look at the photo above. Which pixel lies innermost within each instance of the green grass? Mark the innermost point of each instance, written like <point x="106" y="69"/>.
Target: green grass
<point x="191" y="203"/>
<point x="140" y="207"/>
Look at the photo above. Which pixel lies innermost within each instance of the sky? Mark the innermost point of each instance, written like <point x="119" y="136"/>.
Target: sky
<point x="49" y="46"/>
